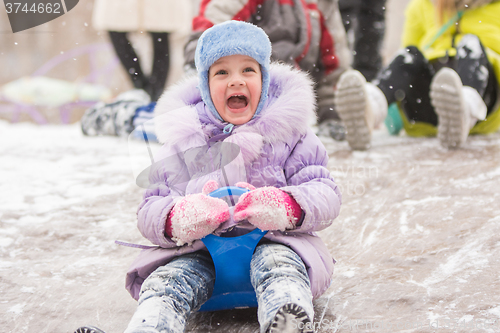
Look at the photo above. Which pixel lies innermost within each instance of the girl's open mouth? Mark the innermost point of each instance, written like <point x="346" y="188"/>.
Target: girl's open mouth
<point x="237" y="102"/>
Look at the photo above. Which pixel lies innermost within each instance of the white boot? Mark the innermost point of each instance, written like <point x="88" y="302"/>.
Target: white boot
<point x="362" y="106"/>
<point x="475" y="103"/>
<point x="378" y="104"/>
<point x="458" y="107"/>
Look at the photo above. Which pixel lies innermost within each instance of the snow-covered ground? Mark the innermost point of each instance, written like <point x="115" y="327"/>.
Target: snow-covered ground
<point x="417" y="241"/>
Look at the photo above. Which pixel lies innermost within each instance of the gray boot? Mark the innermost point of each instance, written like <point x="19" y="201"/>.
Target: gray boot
<point x="362" y="107"/>
<point x="291" y="318"/>
<point x="458" y="108"/>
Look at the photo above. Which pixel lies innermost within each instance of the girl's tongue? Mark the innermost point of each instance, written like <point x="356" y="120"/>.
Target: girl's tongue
<point x="237" y="102"/>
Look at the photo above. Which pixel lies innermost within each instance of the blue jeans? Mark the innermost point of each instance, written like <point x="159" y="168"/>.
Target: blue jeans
<point x="172" y="292"/>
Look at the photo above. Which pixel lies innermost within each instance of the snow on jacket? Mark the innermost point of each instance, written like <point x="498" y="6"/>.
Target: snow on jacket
<point x="305" y="33"/>
<point x="142" y="15"/>
<point x="277" y="149"/>
<point x="481" y="18"/>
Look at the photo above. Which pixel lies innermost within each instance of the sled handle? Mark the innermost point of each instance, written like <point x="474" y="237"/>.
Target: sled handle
<point x="228" y="190"/>
<point x="231" y="257"/>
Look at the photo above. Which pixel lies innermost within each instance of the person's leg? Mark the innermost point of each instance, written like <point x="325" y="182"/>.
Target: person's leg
<point x="475" y="70"/>
<point x="368" y="38"/>
<point x="407" y="79"/>
<point x="363" y="106"/>
<point x="172" y="292"/>
<point x="128" y="58"/>
<point x="451" y="108"/>
<point x="283" y="289"/>
<point x="161" y="64"/>
<point x="349" y="10"/>
<point x="459" y="94"/>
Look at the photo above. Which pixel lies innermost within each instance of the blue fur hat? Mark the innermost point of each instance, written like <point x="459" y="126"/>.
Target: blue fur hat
<point x="230" y="38"/>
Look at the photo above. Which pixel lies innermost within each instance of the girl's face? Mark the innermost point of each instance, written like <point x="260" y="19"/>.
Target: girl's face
<point x="235" y="84"/>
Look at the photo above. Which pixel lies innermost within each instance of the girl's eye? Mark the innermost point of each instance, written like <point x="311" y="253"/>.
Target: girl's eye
<point x="221" y="72"/>
<point x="249" y="69"/>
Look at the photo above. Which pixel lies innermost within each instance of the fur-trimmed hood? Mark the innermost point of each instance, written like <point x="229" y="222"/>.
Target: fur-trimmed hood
<point x="182" y="120"/>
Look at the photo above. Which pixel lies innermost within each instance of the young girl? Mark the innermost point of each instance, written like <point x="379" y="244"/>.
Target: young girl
<point x="240" y="99"/>
<point x="305" y="34"/>
<point x="445" y="81"/>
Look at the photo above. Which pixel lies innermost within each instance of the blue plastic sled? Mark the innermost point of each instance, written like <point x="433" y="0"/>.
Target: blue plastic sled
<point x="231" y="256"/>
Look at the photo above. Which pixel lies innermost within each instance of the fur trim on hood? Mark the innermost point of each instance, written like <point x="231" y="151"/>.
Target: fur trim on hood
<point x="289" y="110"/>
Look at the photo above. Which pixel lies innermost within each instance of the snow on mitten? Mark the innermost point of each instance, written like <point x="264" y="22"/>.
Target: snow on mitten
<point x="246" y="185"/>
<point x="210" y="186"/>
<point x="268" y="208"/>
<point x="194" y="217"/>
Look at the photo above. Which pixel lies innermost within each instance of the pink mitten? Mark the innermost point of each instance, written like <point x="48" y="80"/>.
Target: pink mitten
<point x="246" y="185"/>
<point x="268" y="208"/>
<point x="194" y="217"/>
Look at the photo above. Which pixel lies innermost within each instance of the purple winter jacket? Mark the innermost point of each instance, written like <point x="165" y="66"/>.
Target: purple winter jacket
<point x="277" y="148"/>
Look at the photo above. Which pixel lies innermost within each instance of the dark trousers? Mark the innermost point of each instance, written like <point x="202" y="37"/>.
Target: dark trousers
<point x="366" y="20"/>
<point x="155" y="83"/>
<point x="408" y="77"/>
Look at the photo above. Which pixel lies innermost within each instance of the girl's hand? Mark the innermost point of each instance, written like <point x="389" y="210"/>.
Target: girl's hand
<point x="194" y="217"/>
<point x="268" y="208"/>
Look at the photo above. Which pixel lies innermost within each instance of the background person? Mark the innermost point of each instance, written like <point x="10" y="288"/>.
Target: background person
<point x="445" y="81"/>
<point x="159" y="18"/>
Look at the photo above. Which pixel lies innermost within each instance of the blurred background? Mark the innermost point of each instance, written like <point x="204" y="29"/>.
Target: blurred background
<point x="70" y="49"/>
